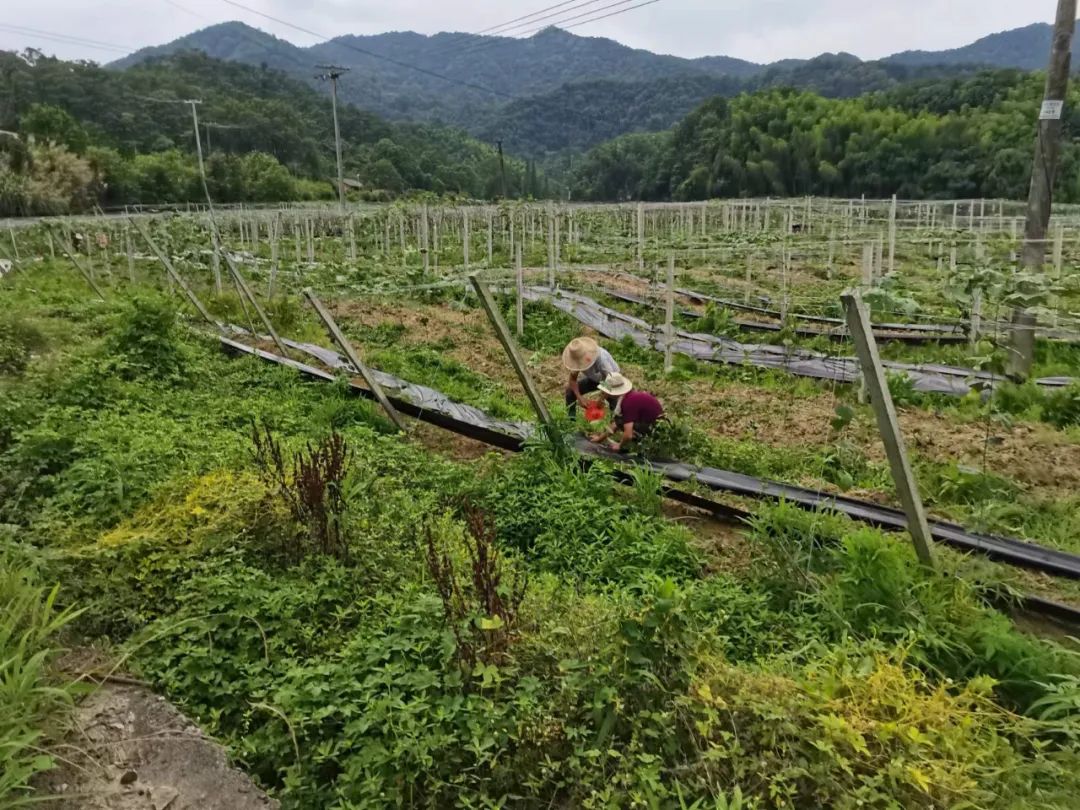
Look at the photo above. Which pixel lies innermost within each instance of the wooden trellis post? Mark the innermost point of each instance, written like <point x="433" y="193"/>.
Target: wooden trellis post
<point x="892" y="235"/>
<point x="669" y="318"/>
<point x="520" y="303"/>
<point x="245" y="292"/>
<point x="354" y="358"/>
<point x="175" y="276"/>
<point x="513" y="353"/>
<point x="858" y="320"/>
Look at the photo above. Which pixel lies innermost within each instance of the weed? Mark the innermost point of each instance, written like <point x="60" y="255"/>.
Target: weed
<point x="313" y="488"/>
<point x="29" y="703"/>
<point x="483" y="618"/>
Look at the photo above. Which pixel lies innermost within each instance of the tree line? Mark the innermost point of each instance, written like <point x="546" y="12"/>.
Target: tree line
<point x="79" y="134"/>
<point x="954" y="138"/>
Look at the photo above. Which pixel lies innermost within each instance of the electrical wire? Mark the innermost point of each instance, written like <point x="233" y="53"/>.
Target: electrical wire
<point x="63" y="38"/>
<point x="495" y="30"/>
<point x="372" y="54"/>
<point x="486" y="43"/>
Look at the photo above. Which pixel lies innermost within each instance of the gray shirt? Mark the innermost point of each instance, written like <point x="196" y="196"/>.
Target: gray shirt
<point x="603" y="366"/>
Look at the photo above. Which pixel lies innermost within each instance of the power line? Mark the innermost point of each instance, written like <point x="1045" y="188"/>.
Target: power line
<point x="467" y="39"/>
<point x="492" y="42"/>
<point x="566" y="19"/>
<point x="372" y="54"/>
<point x="63" y="38"/>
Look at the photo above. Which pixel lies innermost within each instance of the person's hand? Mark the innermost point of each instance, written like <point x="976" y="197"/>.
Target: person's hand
<point x="596" y="438"/>
<point x="613" y="445"/>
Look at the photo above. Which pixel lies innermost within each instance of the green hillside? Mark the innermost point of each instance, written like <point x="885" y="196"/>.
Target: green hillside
<point x="264" y="133"/>
<point x="934" y="139"/>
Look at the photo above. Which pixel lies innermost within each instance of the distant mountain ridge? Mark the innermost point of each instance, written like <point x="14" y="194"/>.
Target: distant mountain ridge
<point x="1026" y="48"/>
<point x="556" y="90"/>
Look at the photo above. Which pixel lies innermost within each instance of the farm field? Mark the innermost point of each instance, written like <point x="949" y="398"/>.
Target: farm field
<point x="367" y="619"/>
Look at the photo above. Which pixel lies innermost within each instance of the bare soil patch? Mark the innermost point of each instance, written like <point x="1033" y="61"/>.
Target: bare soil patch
<point x="130" y="749"/>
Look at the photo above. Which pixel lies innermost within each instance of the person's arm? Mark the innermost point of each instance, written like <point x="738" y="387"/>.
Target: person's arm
<point x="627" y="437"/>
<point x="572" y="385"/>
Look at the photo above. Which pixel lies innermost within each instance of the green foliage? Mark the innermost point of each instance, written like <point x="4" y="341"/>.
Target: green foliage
<point x="269" y="132"/>
<point x="144" y="342"/>
<point x="787" y="143"/>
<point x="1062" y="408"/>
<point x="569" y="520"/>
<point x="863" y="582"/>
<point x="30" y="704"/>
<point x="19" y="339"/>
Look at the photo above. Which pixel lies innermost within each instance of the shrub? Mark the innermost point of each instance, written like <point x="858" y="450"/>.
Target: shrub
<point x="143" y="340"/>
<point x="1062" y="408"/>
<point x="19" y="339"/>
<point x="570" y="520"/>
<point x="857" y="730"/>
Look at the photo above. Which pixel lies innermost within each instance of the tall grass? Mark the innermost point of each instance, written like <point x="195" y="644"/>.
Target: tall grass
<point x="29" y="702"/>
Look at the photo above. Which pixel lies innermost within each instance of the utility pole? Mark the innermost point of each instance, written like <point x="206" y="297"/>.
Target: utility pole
<point x="1040" y="197"/>
<point x="502" y="167"/>
<point x="333" y="73"/>
<point x="198" y="144"/>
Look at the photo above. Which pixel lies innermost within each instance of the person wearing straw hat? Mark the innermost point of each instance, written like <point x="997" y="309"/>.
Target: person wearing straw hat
<point x="636" y="413"/>
<point x="589" y="365"/>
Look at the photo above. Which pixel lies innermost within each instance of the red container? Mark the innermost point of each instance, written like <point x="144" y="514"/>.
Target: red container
<point x="595" y="411"/>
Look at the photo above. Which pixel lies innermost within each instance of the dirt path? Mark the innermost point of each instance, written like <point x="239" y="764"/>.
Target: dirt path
<point x="130" y="749"/>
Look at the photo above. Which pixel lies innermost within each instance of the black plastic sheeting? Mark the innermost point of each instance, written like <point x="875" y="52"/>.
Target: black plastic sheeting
<point x="940" y="329"/>
<point x="885" y="332"/>
<point x="434" y="407"/>
<point x="929" y="378"/>
<point x="946" y="331"/>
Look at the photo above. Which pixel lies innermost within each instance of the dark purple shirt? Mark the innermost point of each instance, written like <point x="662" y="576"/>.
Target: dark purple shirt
<point x="641" y="408"/>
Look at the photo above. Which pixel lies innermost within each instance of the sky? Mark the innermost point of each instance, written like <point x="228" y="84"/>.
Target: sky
<point x="757" y="30"/>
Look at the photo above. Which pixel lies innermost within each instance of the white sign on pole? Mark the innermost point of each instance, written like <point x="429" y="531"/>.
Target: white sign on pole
<point x="1051" y="110"/>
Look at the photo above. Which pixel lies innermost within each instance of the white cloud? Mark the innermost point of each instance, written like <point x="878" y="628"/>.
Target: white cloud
<point x="759" y="30"/>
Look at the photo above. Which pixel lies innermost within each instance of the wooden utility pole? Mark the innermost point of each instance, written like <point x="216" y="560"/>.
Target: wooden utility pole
<point x="513" y="353"/>
<point x="858" y="321"/>
<point x="1040" y="196"/>
<point x="354" y="358"/>
<point x="333" y="73"/>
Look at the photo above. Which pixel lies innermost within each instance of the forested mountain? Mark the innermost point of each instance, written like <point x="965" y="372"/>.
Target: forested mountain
<point x="579" y="116"/>
<point x="261" y="129"/>
<point x="1026" y="48"/>
<point x="482" y="71"/>
<point x="932" y="139"/>
<point x="555" y="91"/>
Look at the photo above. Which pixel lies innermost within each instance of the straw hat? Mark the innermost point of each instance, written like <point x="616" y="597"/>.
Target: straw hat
<point x="580" y="354"/>
<point x="616" y="385"/>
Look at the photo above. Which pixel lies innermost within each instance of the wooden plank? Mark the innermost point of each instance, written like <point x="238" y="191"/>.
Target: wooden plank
<point x="513" y="353"/>
<point x="354" y="358"/>
<point x="858" y="320"/>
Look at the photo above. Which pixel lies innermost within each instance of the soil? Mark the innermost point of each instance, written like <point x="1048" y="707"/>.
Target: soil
<point x="723" y="542"/>
<point x="1035" y="456"/>
<point x="130" y="749"/>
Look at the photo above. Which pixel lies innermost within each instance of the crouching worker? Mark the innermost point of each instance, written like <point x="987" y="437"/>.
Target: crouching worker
<point x="589" y="365"/>
<point x="636" y="413"/>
